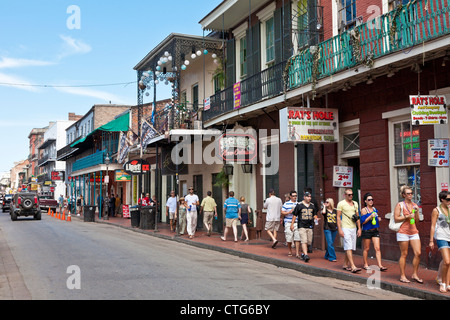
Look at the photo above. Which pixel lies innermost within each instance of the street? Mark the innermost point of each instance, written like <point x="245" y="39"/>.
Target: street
<point x="119" y="264"/>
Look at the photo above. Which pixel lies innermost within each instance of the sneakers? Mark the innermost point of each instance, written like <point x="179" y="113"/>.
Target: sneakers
<point x="304" y="257"/>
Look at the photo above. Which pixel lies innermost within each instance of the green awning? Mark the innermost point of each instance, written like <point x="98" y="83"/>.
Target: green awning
<point x="117" y="125"/>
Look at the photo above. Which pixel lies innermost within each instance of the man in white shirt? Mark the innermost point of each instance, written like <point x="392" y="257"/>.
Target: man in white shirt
<point x="273" y="204"/>
<point x="192" y="202"/>
<point x="171" y="210"/>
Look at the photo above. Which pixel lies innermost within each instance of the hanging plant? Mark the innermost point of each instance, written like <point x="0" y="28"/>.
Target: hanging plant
<point x="219" y="74"/>
<point x="316" y="52"/>
<point x="222" y="180"/>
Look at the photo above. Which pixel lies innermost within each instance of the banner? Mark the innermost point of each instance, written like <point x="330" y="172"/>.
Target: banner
<point x="124" y="148"/>
<point x="147" y="134"/>
<point x="428" y="110"/>
<point x="438" y="152"/>
<point x="309" y="125"/>
<point x="342" y="177"/>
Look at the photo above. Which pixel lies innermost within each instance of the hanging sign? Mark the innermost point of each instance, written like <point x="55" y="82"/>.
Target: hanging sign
<point x="237" y="95"/>
<point x="342" y="177"/>
<point x="438" y="152"/>
<point x="428" y="110"/>
<point x="207" y="104"/>
<point x="309" y="125"/>
<point x="238" y="147"/>
<point x="136" y="166"/>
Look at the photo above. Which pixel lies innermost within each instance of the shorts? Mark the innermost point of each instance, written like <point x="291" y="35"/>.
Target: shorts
<point x="231" y="222"/>
<point x="272" y="225"/>
<point x="291" y="235"/>
<point x="369" y="234"/>
<point x="171" y="215"/>
<point x="306" y="235"/>
<point x="349" y="239"/>
<point x="407" y="237"/>
<point x="443" y="244"/>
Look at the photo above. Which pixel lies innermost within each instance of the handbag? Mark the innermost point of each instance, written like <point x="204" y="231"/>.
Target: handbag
<point x="395" y="226"/>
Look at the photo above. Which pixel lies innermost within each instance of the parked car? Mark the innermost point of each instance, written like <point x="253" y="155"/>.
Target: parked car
<point x="25" y="204"/>
<point x="6" y="204"/>
<point x="47" y="202"/>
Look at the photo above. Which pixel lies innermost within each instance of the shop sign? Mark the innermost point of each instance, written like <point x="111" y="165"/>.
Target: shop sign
<point x="126" y="211"/>
<point x="57" y="175"/>
<point x="122" y="176"/>
<point x="237" y="147"/>
<point x="438" y="152"/>
<point x="428" y="110"/>
<point x="207" y="104"/>
<point x="444" y="186"/>
<point x="309" y="125"/>
<point x="137" y="166"/>
<point x="237" y="95"/>
<point x="342" y="177"/>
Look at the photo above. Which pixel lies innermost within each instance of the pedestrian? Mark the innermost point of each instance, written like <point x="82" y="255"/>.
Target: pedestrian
<point x="118" y="205"/>
<point x="273" y="205"/>
<point x="313" y="201"/>
<point x="370" y="221"/>
<point x="440" y="230"/>
<point x="209" y="209"/>
<point x="171" y="211"/>
<point x="61" y="203"/>
<point x="192" y="202"/>
<point x="182" y="209"/>
<point x="304" y="215"/>
<point x="80" y="205"/>
<point x="330" y="228"/>
<point x="349" y="228"/>
<point x="245" y="211"/>
<point x="292" y="236"/>
<point x="232" y="209"/>
<point x="112" y="206"/>
<point x="407" y="212"/>
<point x="142" y="200"/>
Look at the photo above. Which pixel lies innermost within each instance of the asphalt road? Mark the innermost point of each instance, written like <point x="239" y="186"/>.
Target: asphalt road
<point x="111" y="263"/>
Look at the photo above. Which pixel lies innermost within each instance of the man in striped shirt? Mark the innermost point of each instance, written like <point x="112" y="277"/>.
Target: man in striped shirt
<point x="232" y="209"/>
<point x="291" y="236"/>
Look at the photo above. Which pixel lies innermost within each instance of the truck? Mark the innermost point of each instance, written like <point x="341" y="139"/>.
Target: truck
<point x="47" y="202"/>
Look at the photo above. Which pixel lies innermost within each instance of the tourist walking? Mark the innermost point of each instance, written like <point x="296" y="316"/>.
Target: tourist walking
<point x="349" y="228"/>
<point x="370" y="222"/>
<point x="232" y="209"/>
<point x="273" y="204"/>
<point x="440" y="230"/>
<point x="304" y="215"/>
<point x="112" y="206"/>
<point x="171" y="211"/>
<point x="181" y="216"/>
<point x="407" y="212"/>
<point x="209" y="209"/>
<point x="330" y="228"/>
<point x="292" y="236"/>
<point x="192" y="202"/>
<point x="245" y="211"/>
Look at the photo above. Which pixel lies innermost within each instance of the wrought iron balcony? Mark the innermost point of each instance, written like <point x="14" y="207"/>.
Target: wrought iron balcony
<point x="262" y="85"/>
<point x="90" y="161"/>
<point x="401" y="29"/>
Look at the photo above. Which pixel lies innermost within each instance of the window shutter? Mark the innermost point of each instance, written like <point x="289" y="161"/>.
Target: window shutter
<point x="230" y="63"/>
<point x="287" y="31"/>
<point x="278" y="28"/>
<point x="256" y="48"/>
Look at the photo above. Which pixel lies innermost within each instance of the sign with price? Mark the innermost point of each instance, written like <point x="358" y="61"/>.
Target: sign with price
<point x="438" y="152"/>
<point x="343" y="177"/>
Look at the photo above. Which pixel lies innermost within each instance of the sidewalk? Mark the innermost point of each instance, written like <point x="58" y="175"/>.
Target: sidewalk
<point x="261" y="250"/>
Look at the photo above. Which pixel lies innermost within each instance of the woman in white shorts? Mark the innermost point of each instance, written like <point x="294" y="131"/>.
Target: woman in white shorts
<point x="408" y="212"/>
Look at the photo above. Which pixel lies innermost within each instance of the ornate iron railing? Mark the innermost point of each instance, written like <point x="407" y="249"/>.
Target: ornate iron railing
<point x="90" y="161"/>
<point x="400" y="29"/>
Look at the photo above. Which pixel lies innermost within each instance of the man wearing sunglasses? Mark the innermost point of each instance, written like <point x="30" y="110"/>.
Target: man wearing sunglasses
<point x="349" y="228"/>
<point x="192" y="202"/>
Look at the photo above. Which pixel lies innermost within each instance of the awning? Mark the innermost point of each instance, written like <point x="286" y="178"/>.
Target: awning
<point x="117" y="125"/>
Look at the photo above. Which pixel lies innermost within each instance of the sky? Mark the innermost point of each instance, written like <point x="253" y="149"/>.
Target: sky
<point x="51" y="49"/>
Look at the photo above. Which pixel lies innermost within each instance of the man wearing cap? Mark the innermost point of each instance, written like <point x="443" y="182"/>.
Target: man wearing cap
<point x="273" y="204"/>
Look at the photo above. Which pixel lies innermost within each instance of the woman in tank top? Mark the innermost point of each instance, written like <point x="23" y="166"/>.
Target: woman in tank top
<point x="440" y="229"/>
<point x="408" y="212"/>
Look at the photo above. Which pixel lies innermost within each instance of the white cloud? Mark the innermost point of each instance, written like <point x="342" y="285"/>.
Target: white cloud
<point x="101" y="95"/>
<point x="9" y="63"/>
<point x="73" y="46"/>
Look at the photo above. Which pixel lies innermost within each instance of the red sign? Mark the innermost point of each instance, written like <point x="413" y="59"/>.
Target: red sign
<point x="57" y="175"/>
<point x="126" y="211"/>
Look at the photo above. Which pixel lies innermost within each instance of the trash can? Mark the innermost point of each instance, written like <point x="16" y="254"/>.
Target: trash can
<point x="89" y="213"/>
<point x="148" y="218"/>
<point x="135" y="213"/>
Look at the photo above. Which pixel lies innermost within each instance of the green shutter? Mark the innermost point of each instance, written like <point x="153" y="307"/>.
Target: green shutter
<point x="230" y="63"/>
<point x="278" y="27"/>
<point x="256" y="48"/>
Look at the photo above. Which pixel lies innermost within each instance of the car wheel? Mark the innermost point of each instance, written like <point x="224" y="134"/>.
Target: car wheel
<point x="38" y="216"/>
<point x="13" y="216"/>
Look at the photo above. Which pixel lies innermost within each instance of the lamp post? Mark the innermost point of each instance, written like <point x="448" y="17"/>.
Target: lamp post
<point x="107" y="162"/>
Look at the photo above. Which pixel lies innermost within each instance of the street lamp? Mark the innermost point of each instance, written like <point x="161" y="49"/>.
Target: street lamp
<point x="107" y="162"/>
<point x="228" y="169"/>
<point x="247" y="168"/>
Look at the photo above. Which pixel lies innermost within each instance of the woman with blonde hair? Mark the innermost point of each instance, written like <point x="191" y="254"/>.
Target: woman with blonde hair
<point x="330" y="228"/>
<point x="407" y="212"/>
<point x="245" y="210"/>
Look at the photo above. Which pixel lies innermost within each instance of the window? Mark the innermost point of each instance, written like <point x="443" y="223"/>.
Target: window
<point x="195" y="97"/>
<point x="407" y="157"/>
<point x="270" y="42"/>
<point x="351" y="142"/>
<point x="243" y="56"/>
<point x="347" y="13"/>
<point x="302" y="23"/>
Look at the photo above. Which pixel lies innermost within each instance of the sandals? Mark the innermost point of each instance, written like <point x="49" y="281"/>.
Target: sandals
<point x="420" y="281"/>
